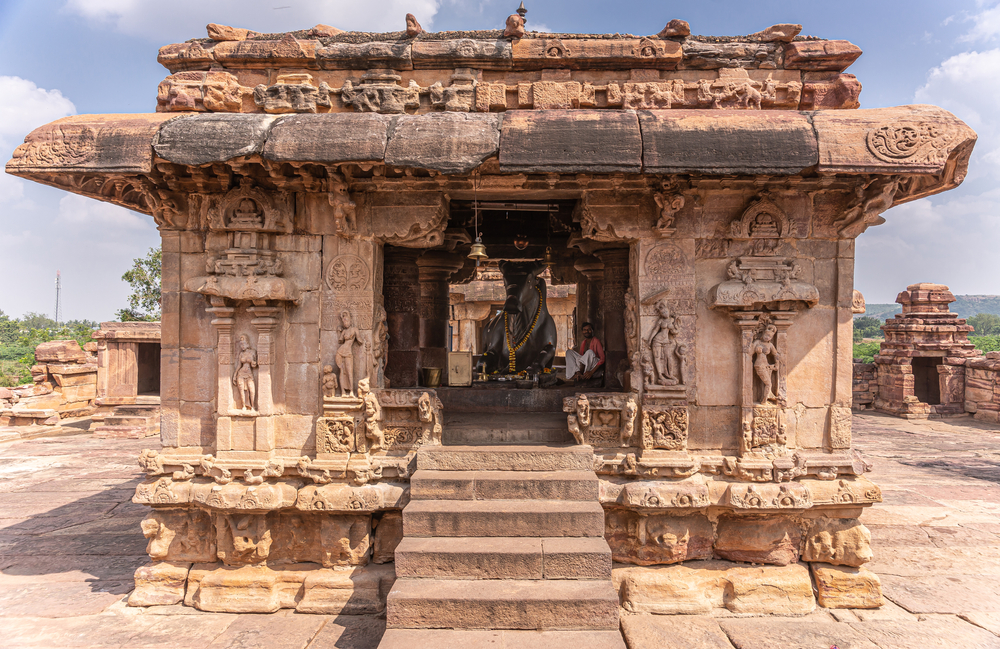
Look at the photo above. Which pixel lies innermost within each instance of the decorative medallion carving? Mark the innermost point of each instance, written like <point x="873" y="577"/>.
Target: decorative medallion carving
<point x="347" y="273"/>
<point x="926" y="143"/>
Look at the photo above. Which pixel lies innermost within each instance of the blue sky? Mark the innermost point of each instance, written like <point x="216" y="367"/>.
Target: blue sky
<point x="62" y="57"/>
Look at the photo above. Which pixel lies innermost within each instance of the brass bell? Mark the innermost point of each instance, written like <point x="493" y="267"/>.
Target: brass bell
<point x="478" y="251"/>
<point x="549" y="257"/>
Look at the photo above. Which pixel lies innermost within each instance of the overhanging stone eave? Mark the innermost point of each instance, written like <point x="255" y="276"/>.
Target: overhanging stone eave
<point x="599" y="142"/>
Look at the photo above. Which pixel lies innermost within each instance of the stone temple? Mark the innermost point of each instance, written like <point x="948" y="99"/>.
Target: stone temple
<point x="318" y="195"/>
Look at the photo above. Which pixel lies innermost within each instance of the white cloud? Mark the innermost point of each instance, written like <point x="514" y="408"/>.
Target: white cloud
<point x="26" y="107"/>
<point x="183" y="19"/>
<point x="985" y="26"/>
<point x="80" y="212"/>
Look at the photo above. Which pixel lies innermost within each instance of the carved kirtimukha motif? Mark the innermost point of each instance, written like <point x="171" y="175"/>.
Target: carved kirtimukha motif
<point x="665" y="428"/>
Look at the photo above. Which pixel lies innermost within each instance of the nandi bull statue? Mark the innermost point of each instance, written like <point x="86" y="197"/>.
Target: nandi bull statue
<point x="523" y="336"/>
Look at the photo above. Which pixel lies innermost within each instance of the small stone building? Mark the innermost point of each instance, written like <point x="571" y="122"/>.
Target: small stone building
<point x="317" y="195"/>
<point x="921" y="363"/>
<point x="128" y="379"/>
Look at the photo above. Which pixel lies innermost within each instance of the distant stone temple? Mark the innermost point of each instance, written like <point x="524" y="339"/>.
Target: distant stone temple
<point x="128" y="379"/>
<point x="319" y="194"/>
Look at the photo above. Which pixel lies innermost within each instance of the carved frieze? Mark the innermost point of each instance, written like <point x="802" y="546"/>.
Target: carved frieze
<point x="602" y="420"/>
<point x="335" y="435"/>
<point x="293" y="93"/>
<point x="773" y="496"/>
<point x="755" y="281"/>
<point x="179" y="535"/>
<point x="242" y="539"/>
<point x="213" y="91"/>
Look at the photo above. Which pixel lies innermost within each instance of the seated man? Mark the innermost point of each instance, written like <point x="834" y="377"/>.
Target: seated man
<point x="583" y="364"/>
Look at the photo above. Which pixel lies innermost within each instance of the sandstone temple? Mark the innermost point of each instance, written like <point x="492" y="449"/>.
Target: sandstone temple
<point x="326" y="199"/>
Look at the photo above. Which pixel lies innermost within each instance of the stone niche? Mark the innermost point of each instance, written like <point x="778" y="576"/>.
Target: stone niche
<point x="316" y="198"/>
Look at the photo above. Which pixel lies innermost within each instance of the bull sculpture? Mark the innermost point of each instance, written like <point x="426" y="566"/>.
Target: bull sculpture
<point x="523" y="336"/>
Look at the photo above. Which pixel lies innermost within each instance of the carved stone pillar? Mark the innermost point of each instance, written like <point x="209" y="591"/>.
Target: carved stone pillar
<point x="588" y="288"/>
<point x="400" y="288"/>
<point x="435" y="267"/>
<point x="613" y="289"/>
<point x="264" y="320"/>
<point x="223" y="323"/>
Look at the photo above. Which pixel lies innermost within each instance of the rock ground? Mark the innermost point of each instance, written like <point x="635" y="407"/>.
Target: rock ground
<point x="70" y="542"/>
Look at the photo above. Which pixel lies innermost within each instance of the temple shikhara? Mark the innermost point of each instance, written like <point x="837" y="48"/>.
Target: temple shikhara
<point x="378" y="253"/>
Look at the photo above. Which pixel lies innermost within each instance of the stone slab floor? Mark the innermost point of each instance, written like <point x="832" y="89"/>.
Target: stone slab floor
<point x="70" y="541"/>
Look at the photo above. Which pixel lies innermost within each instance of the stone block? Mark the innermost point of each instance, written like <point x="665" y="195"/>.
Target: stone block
<point x="571" y="141"/>
<point x="673" y="632"/>
<point x="450" y="143"/>
<point x="821" y="55"/>
<point x="650" y="539"/>
<point x="770" y="590"/>
<point x="160" y="583"/>
<point x="388" y="534"/>
<point x="201" y="139"/>
<point x="339" y="591"/>
<point x="60" y="351"/>
<point x="747" y="142"/>
<point x="329" y="137"/>
<point x="839" y="541"/>
<point x="772" y="540"/>
<point x="246" y="589"/>
<point x="846" y="587"/>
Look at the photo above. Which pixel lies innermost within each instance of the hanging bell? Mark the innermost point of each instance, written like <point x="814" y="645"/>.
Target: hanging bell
<point x="478" y="251"/>
<point x="549" y="259"/>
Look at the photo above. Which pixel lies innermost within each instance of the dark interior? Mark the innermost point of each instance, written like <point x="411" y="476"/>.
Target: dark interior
<point x="926" y="385"/>
<point x="149" y="369"/>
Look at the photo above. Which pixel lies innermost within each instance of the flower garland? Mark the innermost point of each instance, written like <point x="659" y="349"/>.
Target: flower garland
<point x="512" y="350"/>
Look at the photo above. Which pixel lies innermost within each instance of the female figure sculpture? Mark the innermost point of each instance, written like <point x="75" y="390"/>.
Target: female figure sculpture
<point x="762" y="351"/>
<point x="662" y="342"/>
<point x="345" y="354"/>
<point x="246" y="360"/>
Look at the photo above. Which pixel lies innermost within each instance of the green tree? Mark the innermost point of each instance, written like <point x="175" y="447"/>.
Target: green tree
<point x="985" y="324"/>
<point x="144" y="278"/>
<point x="32" y="320"/>
<point x="867" y="327"/>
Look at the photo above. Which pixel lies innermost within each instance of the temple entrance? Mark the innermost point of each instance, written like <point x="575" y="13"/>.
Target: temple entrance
<point x="926" y="385"/>
<point x="148" y="362"/>
<point x="439" y="301"/>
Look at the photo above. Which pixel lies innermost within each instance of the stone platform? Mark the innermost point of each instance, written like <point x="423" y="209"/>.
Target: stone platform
<point x="69" y="550"/>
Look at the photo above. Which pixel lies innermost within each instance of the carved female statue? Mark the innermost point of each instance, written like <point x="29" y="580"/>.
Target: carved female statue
<point x="662" y="342"/>
<point x="762" y="351"/>
<point x="246" y="360"/>
<point x="329" y="382"/>
<point x="628" y="425"/>
<point x="345" y="354"/>
<point x="373" y="422"/>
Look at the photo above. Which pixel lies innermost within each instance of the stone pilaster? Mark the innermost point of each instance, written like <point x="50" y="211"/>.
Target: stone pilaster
<point x="434" y="270"/>
<point x="612" y="308"/>
<point x="402" y="306"/>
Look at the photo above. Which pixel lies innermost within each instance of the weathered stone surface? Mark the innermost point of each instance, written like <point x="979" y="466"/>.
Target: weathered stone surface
<point x="159" y="584"/>
<point x="226" y="33"/>
<point x="766" y="633"/>
<point x="349" y="137"/>
<point x="758" y="540"/>
<point x="821" y="55"/>
<point x="675" y="28"/>
<point x="928" y="632"/>
<point x="509" y="639"/>
<point x="202" y="139"/>
<point x="59" y="351"/>
<point x="90" y="143"/>
<point x="577" y="141"/>
<point x="703" y="586"/>
<point x="388" y="534"/>
<point x="685" y="141"/>
<point x="840" y="541"/>
<point x="673" y="632"/>
<point x="444" y="142"/>
<point x="357" y="591"/>
<point x="781" y="33"/>
<point x="845" y="587"/>
<point x="248" y="589"/>
<point x="658" y="538"/>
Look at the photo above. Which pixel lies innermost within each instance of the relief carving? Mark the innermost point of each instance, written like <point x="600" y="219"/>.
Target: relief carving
<point x="214" y="91"/>
<point x="348" y="338"/>
<point x="347" y="273"/>
<point x="870" y="200"/>
<point x="669" y="204"/>
<point x="330" y="383"/>
<point x="344" y="209"/>
<point x="293" y="93"/>
<point x="242" y="539"/>
<point x="926" y="143"/>
<point x="762" y="219"/>
<point x="665" y="428"/>
<point x="373" y="419"/>
<point x="429" y="412"/>
<point x="667" y="355"/>
<point x="766" y="363"/>
<point x="335" y="435"/>
<point x="246" y="361"/>
<point x="59" y="146"/>
<point x="379" y="92"/>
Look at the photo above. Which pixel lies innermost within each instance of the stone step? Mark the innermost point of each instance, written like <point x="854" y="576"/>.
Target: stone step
<point x="124" y="432"/>
<point x="505" y="639"/>
<point x="502" y="604"/>
<point x="467" y="428"/>
<point x="503" y="558"/>
<point x="138" y="410"/>
<point x="504" y="485"/>
<point x="531" y="518"/>
<point x="126" y="420"/>
<point x="506" y="458"/>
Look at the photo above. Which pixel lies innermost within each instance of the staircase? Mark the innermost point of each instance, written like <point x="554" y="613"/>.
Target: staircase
<point x="503" y="541"/>
<point x="130" y="422"/>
